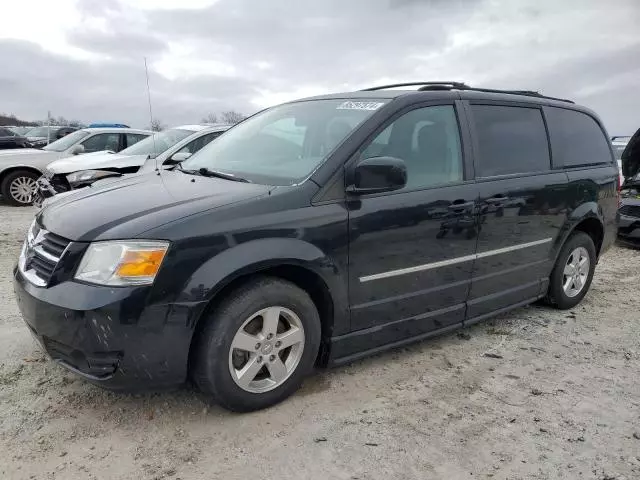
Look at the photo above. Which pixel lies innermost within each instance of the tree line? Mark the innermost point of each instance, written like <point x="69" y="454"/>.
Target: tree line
<point x="56" y="121"/>
<point x="230" y="117"/>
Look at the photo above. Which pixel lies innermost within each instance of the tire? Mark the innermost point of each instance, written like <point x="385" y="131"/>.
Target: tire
<point x="557" y="295"/>
<point x="215" y="359"/>
<point x="11" y="187"/>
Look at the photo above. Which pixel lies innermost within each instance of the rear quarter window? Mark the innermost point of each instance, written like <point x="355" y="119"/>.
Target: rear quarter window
<point x="576" y="138"/>
<point x="510" y="140"/>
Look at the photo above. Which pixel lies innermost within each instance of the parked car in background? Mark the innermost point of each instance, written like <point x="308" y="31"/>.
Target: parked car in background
<point x="42" y="136"/>
<point x="310" y="235"/>
<point x="619" y="143"/>
<point x="10" y="139"/>
<point x="22" y="131"/>
<point x="108" y="125"/>
<point x="20" y="169"/>
<point x="167" y="147"/>
<point x="629" y="212"/>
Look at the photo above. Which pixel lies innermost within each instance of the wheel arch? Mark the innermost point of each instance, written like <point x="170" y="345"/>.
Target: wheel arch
<point x="587" y="218"/>
<point x="593" y="227"/>
<point x="304" y="265"/>
<point x="16" y="168"/>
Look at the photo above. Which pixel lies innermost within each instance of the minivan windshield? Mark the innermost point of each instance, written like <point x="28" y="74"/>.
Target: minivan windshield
<point x="284" y="144"/>
<point x="67" y="141"/>
<point x="157" y="143"/>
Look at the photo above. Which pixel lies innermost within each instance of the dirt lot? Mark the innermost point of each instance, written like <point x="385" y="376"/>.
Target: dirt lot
<point x="557" y="397"/>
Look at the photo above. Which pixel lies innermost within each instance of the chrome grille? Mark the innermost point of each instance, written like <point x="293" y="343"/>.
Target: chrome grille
<point x="630" y="210"/>
<point x="40" y="255"/>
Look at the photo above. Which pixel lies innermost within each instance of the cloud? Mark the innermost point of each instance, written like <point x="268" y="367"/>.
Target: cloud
<point x="212" y="55"/>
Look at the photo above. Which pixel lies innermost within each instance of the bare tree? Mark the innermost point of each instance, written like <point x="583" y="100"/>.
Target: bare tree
<point x="60" y="121"/>
<point x="232" y="117"/>
<point x="210" y="118"/>
<point x="157" y="125"/>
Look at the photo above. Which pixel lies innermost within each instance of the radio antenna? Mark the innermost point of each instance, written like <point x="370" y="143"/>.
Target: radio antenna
<point x="153" y="135"/>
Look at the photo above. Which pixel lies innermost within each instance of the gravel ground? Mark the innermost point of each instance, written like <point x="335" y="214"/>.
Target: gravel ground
<point x="533" y="394"/>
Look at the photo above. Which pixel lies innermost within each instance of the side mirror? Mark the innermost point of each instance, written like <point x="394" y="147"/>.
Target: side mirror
<point x="77" y="150"/>
<point x="178" y="157"/>
<point x="378" y="174"/>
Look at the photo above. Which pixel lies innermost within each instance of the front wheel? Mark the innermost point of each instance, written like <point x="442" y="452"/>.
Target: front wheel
<point x="573" y="272"/>
<point x="257" y="346"/>
<point x="18" y="187"/>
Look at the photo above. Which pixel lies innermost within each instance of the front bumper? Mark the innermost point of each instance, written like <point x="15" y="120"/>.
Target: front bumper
<point x="48" y="186"/>
<point x="110" y="336"/>
<point x="44" y="190"/>
<point x="628" y="229"/>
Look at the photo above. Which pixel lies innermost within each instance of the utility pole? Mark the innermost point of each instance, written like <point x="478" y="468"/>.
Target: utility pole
<point x="48" y="126"/>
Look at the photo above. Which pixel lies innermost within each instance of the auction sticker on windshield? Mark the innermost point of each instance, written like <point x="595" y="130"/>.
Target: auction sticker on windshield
<point x="349" y="105"/>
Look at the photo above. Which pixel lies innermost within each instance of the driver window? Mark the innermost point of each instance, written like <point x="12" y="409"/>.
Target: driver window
<point x="198" y="143"/>
<point x="428" y="140"/>
<point x="102" y="141"/>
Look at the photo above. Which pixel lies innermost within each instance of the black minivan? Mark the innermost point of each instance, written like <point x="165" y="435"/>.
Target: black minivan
<point x="320" y="231"/>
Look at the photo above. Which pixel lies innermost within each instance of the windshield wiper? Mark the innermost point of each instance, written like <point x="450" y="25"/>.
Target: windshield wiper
<point x="206" y="172"/>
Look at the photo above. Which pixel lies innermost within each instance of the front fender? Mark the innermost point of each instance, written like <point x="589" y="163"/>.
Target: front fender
<point x="256" y="255"/>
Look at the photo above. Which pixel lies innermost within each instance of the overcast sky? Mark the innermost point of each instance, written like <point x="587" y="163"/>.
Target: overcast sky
<point x="83" y="59"/>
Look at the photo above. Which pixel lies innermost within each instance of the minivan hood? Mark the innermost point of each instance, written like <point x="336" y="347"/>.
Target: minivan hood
<point x="131" y="205"/>
<point x="99" y="161"/>
<point x="631" y="157"/>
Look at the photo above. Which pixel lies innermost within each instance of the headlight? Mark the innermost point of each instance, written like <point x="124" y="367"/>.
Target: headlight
<point x="121" y="263"/>
<point x="85" y="176"/>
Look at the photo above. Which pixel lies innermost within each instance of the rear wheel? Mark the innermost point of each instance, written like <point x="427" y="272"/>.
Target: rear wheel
<point x="258" y="345"/>
<point x="573" y="272"/>
<point x="18" y="187"/>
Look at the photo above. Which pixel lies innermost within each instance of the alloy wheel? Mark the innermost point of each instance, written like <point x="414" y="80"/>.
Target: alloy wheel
<point x="576" y="272"/>
<point x="266" y="350"/>
<point x="22" y="189"/>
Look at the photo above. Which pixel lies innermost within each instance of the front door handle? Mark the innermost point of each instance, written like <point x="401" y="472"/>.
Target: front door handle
<point x="461" y="206"/>
<point x="495" y="200"/>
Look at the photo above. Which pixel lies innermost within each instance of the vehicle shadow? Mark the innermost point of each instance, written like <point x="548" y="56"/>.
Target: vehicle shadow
<point x="362" y="380"/>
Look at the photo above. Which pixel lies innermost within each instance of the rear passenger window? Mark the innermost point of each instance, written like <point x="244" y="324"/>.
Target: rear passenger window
<point x="510" y="140"/>
<point x="133" y="138"/>
<point x="576" y="138"/>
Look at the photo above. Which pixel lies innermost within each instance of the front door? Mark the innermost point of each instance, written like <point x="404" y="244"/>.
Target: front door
<point x="411" y="251"/>
<point x="522" y="207"/>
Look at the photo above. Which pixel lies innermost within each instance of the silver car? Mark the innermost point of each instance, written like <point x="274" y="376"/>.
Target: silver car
<point x="20" y="168"/>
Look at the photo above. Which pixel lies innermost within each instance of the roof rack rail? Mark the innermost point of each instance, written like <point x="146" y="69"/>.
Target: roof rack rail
<point x="425" y="86"/>
<point x="433" y="85"/>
